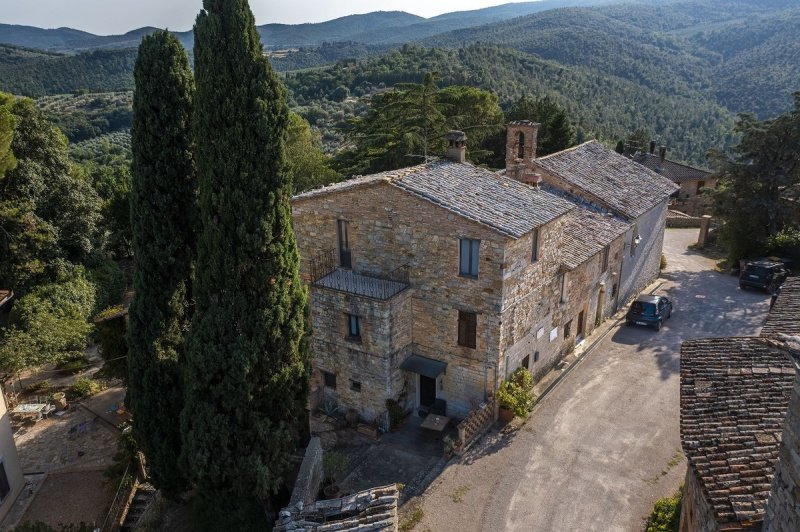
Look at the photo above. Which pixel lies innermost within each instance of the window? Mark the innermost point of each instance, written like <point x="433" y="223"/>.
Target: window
<point x="467" y="328"/>
<point x="526" y="362"/>
<point x="635" y="240"/>
<point x="468" y="257"/>
<point x="536" y="357"/>
<point x="521" y="145"/>
<point x="355" y="386"/>
<point x="535" y="246"/>
<point x="353" y="327"/>
<point x="345" y="255"/>
<point x="568" y="329"/>
<point x="614" y="290"/>
<point x="563" y="287"/>
<point x="329" y="380"/>
<point x="605" y="258"/>
<point x="5" y="488"/>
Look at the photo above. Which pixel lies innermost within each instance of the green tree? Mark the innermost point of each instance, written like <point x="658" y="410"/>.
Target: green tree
<point x="7" y="125"/>
<point x="760" y="181"/>
<point x="306" y="164"/>
<point x="163" y="218"/>
<point x="247" y="361"/>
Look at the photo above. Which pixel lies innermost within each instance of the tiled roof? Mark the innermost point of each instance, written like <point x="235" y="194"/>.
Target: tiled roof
<point x="586" y="233"/>
<point x="625" y="186"/>
<point x="373" y="510"/>
<point x="784" y="316"/>
<point x="675" y="172"/>
<point x="506" y="205"/>
<point x="734" y="397"/>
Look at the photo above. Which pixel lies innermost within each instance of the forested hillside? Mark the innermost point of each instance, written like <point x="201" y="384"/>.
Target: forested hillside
<point x="600" y="106"/>
<point x="36" y="73"/>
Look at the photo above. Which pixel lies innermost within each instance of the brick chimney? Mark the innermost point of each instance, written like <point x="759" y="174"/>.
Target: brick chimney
<point x="521" y="151"/>
<point x="456" y="146"/>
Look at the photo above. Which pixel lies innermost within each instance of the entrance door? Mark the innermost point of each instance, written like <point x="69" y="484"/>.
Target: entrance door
<point x="427" y="390"/>
<point x="579" y="332"/>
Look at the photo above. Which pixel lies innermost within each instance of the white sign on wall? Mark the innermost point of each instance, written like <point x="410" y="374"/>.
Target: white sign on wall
<point x="554" y="334"/>
<point x="540" y="333"/>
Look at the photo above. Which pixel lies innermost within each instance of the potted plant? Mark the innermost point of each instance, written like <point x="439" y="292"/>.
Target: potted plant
<point x="449" y="445"/>
<point x="515" y="396"/>
<point x="333" y="464"/>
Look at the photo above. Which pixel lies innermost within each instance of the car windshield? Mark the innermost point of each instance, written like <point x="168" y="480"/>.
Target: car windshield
<point x="761" y="271"/>
<point x="646" y="309"/>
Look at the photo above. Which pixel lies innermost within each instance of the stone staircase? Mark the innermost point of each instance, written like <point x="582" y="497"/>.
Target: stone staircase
<point x="141" y="502"/>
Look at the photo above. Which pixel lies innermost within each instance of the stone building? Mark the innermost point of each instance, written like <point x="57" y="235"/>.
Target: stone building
<point x="734" y="398"/>
<point x="691" y="180"/>
<point x="602" y="179"/>
<point x="740" y="426"/>
<point x="430" y="284"/>
<point x="11" y="479"/>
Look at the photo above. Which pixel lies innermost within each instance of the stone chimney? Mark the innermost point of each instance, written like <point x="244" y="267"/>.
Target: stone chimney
<point x="457" y="146"/>
<point x="521" y="151"/>
<point x="662" y="153"/>
<point x="652" y="147"/>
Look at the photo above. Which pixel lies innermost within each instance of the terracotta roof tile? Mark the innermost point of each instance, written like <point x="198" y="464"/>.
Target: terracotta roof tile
<point x="784" y="316"/>
<point x="732" y="408"/>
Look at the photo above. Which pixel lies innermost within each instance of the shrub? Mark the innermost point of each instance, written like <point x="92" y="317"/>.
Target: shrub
<point x="666" y="514"/>
<point x="396" y="413"/>
<point x="85" y="388"/>
<point x="73" y="365"/>
<point x="515" y="393"/>
<point x="111" y="336"/>
<point x="663" y="261"/>
<point x="40" y="386"/>
<point x="333" y="464"/>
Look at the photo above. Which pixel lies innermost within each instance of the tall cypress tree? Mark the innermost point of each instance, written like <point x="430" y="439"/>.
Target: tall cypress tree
<point x="163" y="206"/>
<point x="247" y="363"/>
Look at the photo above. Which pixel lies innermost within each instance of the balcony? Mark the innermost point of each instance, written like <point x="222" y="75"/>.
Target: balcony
<point x="325" y="274"/>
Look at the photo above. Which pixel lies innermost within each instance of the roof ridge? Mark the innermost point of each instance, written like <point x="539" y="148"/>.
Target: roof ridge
<point x="679" y="164"/>
<point x="572" y="148"/>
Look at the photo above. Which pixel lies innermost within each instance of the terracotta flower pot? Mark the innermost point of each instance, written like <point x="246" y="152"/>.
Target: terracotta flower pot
<point x="506" y="414"/>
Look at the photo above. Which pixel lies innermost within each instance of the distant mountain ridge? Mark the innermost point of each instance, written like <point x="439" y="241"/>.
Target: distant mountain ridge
<point x="379" y="27"/>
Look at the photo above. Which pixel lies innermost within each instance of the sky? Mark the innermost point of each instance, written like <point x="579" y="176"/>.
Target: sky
<point x="106" y="17"/>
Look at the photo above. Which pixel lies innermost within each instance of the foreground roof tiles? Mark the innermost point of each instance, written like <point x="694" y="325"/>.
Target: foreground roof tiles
<point x="675" y="172"/>
<point x="784" y="316"/>
<point x="369" y="510"/>
<point x="624" y="185"/>
<point x="586" y="233"/>
<point x="506" y="205"/>
<point x="734" y="398"/>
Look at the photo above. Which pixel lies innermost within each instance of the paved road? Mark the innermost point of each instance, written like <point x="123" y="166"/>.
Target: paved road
<point x="602" y="446"/>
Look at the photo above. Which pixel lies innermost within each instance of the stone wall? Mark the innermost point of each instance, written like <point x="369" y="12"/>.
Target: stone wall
<point x="10" y="460"/>
<point x="309" y="478"/>
<point x="696" y="513"/>
<point x="689" y="188"/>
<point x="389" y="228"/>
<point x="783" y="508"/>
<point x="643" y="266"/>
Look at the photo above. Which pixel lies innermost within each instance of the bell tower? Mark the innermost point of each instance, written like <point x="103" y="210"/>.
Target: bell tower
<point x="521" y="151"/>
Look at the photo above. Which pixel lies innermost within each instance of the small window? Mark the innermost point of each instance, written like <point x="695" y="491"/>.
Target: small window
<point x="329" y="379"/>
<point x="536" y="357"/>
<point x="563" y="287"/>
<point x="605" y="258"/>
<point x="535" y="246"/>
<point x="468" y="257"/>
<point x="526" y="362"/>
<point x="345" y="255"/>
<point x="467" y="328"/>
<point x="355" y="386"/>
<point x="521" y="145"/>
<point x="614" y="290"/>
<point x="568" y="329"/>
<point x="353" y="327"/>
<point x="5" y="487"/>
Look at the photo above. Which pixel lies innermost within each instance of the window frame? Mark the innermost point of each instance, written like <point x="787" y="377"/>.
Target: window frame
<point x="345" y="252"/>
<point x="604" y="258"/>
<point x="473" y="257"/>
<point x="535" y="246"/>
<point x="353" y="319"/>
<point x="326" y="377"/>
<point x="467" y="329"/>
<point x="355" y="386"/>
<point x="568" y="330"/>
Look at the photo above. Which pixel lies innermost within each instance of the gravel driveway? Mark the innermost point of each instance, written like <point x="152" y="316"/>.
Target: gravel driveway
<point x="602" y="446"/>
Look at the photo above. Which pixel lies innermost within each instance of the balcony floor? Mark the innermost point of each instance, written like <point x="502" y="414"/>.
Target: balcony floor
<point x="361" y="285"/>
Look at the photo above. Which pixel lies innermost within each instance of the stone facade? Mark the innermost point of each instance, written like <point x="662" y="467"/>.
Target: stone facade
<point x="641" y="263"/>
<point x="783" y="508"/>
<point x="696" y="514"/>
<point x="9" y="461"/>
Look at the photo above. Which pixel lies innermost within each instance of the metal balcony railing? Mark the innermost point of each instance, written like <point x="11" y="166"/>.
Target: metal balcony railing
<point x="325" y="274"/>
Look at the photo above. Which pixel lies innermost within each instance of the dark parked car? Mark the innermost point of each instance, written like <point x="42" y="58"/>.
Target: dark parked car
<point x="765" y="275"/>
<point x="649" y="310"/>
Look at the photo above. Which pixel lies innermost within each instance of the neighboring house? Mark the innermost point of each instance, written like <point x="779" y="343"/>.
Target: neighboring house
<point x="11" y="479"/>
<point x="429" y="285"/>
<point x="735" y="396"/>
<point x="604" y="179"/>
<point x="691" y="180"/>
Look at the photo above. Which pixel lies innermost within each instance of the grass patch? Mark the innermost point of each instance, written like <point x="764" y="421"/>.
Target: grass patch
<point x="675" y="460"/>
<point x="666" y="514"/>
<point x="458" y="495"/>
<point x="411" y="520"/>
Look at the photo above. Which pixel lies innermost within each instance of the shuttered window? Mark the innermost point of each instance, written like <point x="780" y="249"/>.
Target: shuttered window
<point x="467" y="328"/>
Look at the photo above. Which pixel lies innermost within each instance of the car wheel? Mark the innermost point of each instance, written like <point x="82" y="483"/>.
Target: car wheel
<point x="669" y="313"/>
<point x="658" y="325"/>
